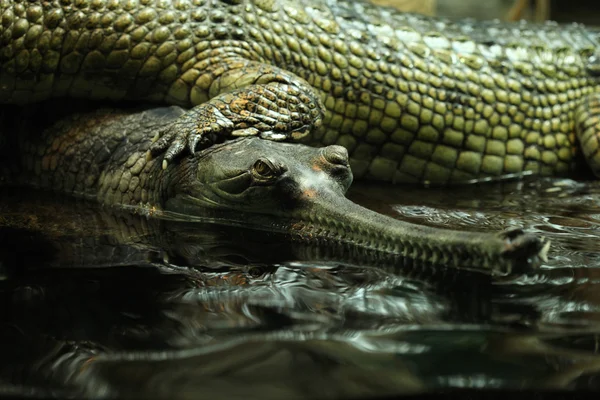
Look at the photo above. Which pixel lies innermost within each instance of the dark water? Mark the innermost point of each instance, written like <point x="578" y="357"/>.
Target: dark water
<point x="98" y="303"/>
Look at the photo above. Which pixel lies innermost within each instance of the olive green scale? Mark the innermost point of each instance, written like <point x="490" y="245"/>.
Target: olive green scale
<point x="412" y="98"/>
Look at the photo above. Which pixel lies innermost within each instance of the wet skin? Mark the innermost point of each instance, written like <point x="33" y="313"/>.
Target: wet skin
<point x="412" y="98"/>
<point x="268" y="185"/>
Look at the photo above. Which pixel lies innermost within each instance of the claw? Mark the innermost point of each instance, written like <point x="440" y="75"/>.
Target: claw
<point x="160" y="145"/>
<point x="174" y="149"/>
<point x="193" y="143"/>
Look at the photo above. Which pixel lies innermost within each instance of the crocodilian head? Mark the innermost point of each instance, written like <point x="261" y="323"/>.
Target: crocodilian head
<point x="301" y="190"/>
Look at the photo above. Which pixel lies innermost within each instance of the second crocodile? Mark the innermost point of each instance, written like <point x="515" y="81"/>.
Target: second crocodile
<point x="412" y="98"/>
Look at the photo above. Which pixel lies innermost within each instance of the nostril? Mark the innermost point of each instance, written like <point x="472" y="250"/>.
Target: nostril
<point x="336" y="155"/>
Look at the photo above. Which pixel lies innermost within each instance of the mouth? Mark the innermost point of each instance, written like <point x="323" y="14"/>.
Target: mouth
<point x="331" y="225"/>
<point x="341" y="222"/>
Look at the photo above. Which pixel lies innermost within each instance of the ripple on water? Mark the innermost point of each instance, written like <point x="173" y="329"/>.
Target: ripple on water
<point x="159" y="325"/>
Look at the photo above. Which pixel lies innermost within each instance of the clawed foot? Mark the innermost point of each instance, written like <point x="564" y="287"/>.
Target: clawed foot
<point x="200" y="126"/>
<point x="274" y="112"/>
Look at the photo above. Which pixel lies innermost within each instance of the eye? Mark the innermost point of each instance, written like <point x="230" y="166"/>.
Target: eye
<point x="265" y="169"/>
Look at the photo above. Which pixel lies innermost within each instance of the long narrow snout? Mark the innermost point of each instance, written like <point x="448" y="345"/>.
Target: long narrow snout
<point x="331" y="218"/>
<point x="301" y="191"/>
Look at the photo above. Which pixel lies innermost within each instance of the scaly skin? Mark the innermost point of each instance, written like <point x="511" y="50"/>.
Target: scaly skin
<point x="412" y="98"/>
<point x="286" y="188"/>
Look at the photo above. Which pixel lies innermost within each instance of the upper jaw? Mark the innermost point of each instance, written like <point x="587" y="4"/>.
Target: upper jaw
<point x="339" y="220"/>
<point x="328" y="218"/>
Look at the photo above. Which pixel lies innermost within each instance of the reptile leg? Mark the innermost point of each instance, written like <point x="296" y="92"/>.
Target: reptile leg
<point x="587" y="120"/>
<point x="243" y="98"/>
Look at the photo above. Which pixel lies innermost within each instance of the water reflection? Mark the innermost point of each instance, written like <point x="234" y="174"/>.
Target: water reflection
<point x="215" y="311"/>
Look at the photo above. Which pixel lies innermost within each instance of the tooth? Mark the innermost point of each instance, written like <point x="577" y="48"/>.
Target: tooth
<point x="543" y="254"/>
<point x="434" y="257"/>
<point x="406" y="250"/>
<point x="456" y="260"/>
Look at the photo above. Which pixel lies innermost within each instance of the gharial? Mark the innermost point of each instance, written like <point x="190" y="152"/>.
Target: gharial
<point x="412" y="98"/>
<point x="280" y="187"/>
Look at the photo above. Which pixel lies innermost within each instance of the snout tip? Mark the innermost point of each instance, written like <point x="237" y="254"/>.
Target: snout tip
<point x="527" y="250"/>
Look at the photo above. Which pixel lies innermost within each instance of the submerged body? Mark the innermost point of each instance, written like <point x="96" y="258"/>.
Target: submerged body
<point x="412" y="98"/>
<point x="286" y="188"/>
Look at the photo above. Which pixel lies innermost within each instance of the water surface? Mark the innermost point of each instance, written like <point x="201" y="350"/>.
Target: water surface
<point x="101" y="303"/>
